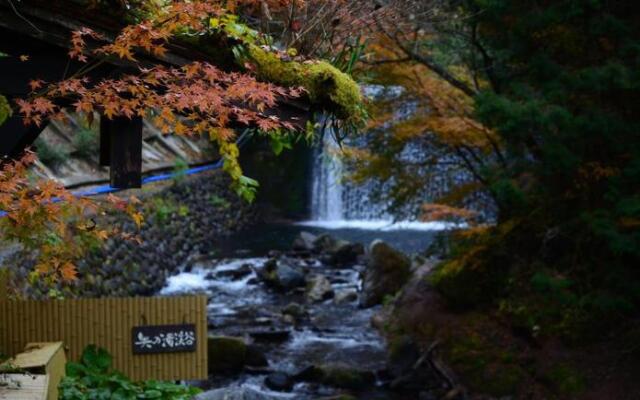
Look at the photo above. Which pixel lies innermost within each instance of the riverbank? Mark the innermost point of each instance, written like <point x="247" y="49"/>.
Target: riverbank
<point x="184" y="219"/>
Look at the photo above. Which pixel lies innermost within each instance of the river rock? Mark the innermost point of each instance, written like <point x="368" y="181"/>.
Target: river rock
<point x="295" y="310"/>
<point x="343" y="253"/>
<point x="237" y="394"/>
<point x="337" y="375"/>
<point x="238" y="273"/>
<point x="387" y="270"/>
<point x="279" y="381"/>
<point x="271" y="335"/>
<point x="255" y="357"/>
<point x="282" y="274"/>
<point x="226" y="354"/>
<point x="305" y="241"/>
<point x="318" y="288"/>
<point x="345" y="296"/>
<point x="324" y="243"/>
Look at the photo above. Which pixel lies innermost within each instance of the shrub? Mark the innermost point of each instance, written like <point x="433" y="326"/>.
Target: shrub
<point x="85" y="142"/>
<point x="94" y="378"/>
<point x="50" y="154"/>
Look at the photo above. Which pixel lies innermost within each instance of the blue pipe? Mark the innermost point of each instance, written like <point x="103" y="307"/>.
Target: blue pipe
<point x="104" y="189"/>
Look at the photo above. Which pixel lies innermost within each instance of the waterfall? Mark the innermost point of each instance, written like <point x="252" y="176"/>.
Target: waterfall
<point x="326" y="191"/>
<point x="338" y="203"/>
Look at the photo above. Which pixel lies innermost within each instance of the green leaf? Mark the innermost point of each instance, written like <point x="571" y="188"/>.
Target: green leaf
<point x="96" y="358"/>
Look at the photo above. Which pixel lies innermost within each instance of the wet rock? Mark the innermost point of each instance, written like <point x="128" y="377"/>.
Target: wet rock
<point x="226" y="354"/>
<point x="237" y="394"/>
<point x="282" y="274"/>
<point x="347" y="377"/>
<point x="337" y="375"/>
<point x="305" y="241"/>
<point x="279" y="381"/>
<point x="386" y="272"/>
<point x="295" y="310"/>
<point x="318" y="288"/>
<point x="271" y="335"/>
<point x="346" y="296"/>
<point x="324" y="243"/>
<point x="339" y="397"/>
<point x="344" y="253"/>
<point x="238" y="273"/>
<point x="255" y="357"/>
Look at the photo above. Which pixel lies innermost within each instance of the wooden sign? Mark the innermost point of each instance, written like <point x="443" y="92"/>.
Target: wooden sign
<point x="163" y="339"/>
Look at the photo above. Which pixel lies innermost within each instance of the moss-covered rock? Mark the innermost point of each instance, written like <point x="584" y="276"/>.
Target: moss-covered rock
<point x="387" y="271"/>
<point x="347" y="377"/>
<point x="226" y="354"/>
<point x="338" y="375"/>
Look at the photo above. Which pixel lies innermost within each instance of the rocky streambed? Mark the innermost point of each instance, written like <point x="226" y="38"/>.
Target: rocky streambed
<point x="296" y="324"/>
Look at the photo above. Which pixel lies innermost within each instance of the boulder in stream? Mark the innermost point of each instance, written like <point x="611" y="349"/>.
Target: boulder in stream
<point x="386" y="272"/>
<point x="238" y="393"/>
<point x="279" y="381"/>
<point x="305" y="241"/>
<point x="282" y="274"/>
<point x="337" y="375"/>
<point x="318" y="288"/>
<point x="345" y="296"/>
<point x="226" y="354"/>
<point x="343" y="253"/>
<point x="255" y="357"/>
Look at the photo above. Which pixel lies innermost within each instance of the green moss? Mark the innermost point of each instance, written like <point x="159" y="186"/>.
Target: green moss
<point x="327" y="86"/>
<point x="5" y="109"/>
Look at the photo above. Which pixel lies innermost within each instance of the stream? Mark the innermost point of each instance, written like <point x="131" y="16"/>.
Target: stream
<point x="333" y="330"/>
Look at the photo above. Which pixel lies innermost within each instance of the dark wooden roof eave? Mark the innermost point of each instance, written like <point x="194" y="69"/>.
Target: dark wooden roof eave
<point x="43" y="28"/>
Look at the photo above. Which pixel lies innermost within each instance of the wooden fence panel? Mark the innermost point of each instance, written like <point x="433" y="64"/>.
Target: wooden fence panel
<point x="108" y="323"/>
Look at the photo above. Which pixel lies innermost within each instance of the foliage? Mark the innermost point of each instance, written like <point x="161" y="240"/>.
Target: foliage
<point x="325" y="84"/>
<point x="532" y="106"/>
<point x="162" y="210"/>
<point x="197" y="98"/>
<point x="328" y="88"/>
<point x="5" y="109"/>
<point x="180" y="168"/>
<point x="219" y="202"/>
<point x="93" y="378"/>
<point x="46" y="218"/>
<point x="85" y="142"/>
<point x="51" y="155"/>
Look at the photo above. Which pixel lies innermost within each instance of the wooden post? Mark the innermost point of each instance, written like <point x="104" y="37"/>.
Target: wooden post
<point x="4" y="280"/>
<point x="123" y="136"/>
<point x="105" y="142"/>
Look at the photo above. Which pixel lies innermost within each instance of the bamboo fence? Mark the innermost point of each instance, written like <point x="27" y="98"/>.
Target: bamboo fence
<point x="108" y="323"/>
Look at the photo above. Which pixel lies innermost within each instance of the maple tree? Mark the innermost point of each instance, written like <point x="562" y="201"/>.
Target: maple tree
<point x="196" y="98"/>
<point x="45" y="217"/>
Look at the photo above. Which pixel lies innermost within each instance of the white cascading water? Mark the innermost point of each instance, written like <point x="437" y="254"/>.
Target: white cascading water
<point x="336" y="204"/>
<point x="326" y="192"/>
